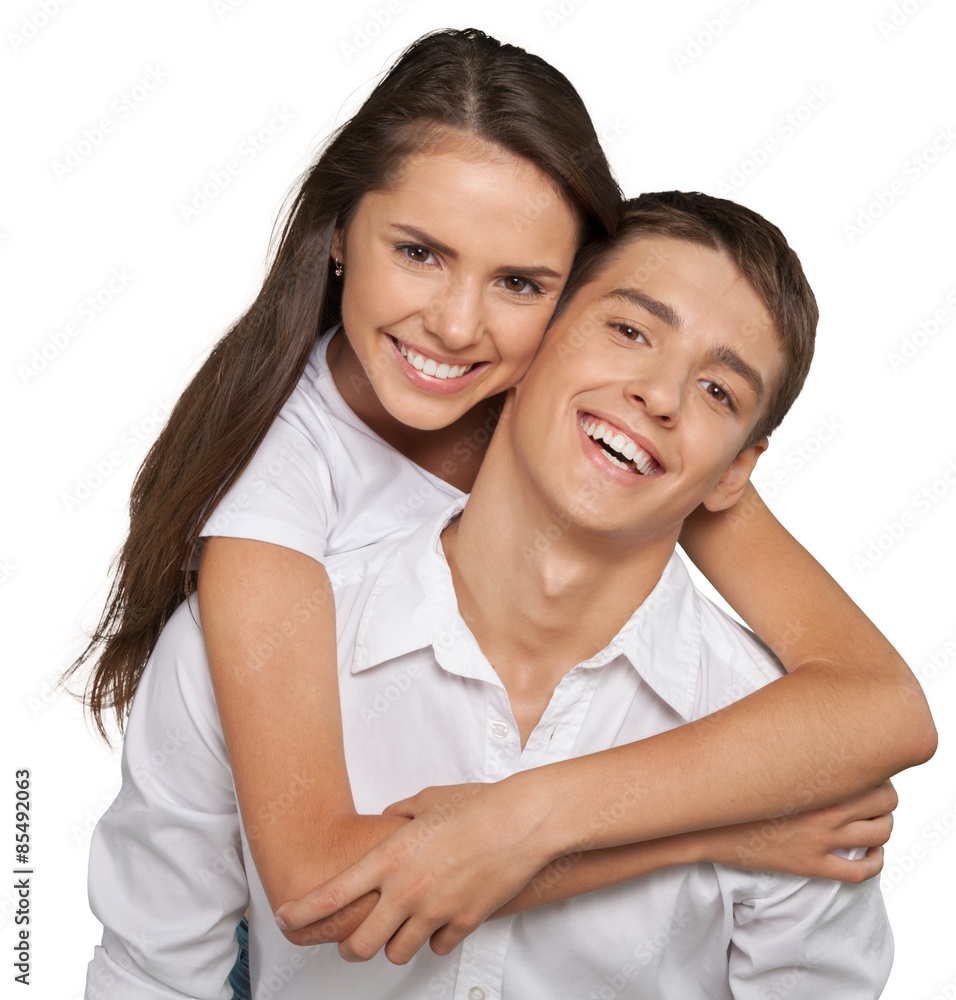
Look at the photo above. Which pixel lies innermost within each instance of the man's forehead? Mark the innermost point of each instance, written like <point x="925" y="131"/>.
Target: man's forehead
<point x="676" y="281"/>
<point x="657" y="273"/>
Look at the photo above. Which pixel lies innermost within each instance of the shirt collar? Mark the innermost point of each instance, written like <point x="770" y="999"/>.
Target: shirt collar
<point x="412" y="606"/>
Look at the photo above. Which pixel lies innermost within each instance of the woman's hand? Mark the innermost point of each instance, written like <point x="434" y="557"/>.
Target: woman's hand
<point x="436" y="879"/>
<point x="452" y="865"/>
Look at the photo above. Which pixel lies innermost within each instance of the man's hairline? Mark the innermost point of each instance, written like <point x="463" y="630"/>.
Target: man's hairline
<point x="610" y="254"/>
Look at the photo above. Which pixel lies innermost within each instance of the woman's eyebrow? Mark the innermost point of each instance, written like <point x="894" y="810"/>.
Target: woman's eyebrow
<point x="420" y="236"/>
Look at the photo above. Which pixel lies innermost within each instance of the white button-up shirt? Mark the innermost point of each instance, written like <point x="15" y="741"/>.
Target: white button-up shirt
<point x="422" y="706"/>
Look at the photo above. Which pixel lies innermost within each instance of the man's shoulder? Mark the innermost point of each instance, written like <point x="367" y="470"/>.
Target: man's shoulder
<point x="734" y="662"/>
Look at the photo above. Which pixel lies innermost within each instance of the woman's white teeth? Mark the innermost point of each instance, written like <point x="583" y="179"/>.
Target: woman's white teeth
<point x="623" y="445"/>
<point x="431" y="367"/>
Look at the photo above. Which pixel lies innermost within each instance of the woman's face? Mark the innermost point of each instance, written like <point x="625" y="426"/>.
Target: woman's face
<point x="451" y="276"/>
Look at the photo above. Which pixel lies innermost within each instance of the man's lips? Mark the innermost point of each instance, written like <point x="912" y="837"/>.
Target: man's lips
<point x="621" y="447"/>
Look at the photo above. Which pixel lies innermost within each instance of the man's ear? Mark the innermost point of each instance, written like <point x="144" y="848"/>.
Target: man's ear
<point x="736" y="476"/>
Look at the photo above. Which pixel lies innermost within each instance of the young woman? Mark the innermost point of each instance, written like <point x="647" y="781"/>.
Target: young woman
<point x="439" y="226"/>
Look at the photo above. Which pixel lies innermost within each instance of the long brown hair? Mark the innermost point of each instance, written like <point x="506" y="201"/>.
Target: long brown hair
<point x="462" y="80"/>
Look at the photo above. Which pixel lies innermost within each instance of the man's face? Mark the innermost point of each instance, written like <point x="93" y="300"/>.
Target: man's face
<point x="645" y="390"/>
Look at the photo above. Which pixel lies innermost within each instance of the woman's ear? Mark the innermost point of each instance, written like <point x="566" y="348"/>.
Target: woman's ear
<point x="731" y="484"/>
<point x="338" y="245"/>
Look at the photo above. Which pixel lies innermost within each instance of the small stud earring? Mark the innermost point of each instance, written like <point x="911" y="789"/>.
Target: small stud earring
<point x="339" y="269"/>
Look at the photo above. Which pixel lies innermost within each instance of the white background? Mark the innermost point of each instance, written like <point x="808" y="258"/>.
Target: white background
<point x="674" y="115"/>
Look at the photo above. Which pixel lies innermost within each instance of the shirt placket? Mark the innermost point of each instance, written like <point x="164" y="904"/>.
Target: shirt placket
<point x="481" y="967"/>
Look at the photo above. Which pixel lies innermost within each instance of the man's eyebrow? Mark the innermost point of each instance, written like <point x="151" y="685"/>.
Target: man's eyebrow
<point x="524" y="270"/>
<point x="729" y="358"/>
<point x="659" y="309"/>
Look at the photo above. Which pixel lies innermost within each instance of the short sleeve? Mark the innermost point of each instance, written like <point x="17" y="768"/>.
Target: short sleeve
<point x="167" y="877"/>
<point x="285" y="494"/>
<point x="809" y="938"/>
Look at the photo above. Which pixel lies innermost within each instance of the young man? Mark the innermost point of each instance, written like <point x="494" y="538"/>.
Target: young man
<point x="504" y="637"/>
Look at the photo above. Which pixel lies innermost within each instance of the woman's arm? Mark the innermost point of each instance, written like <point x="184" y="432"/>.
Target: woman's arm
<point x="800" y="611"/>
<point x="799" y="844"/>
<point x="268" y="619"/>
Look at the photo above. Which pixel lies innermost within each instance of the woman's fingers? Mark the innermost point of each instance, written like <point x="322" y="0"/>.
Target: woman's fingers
<point x="856" y="870"/>
<point x="326" y="899"/>
<point x="876" y="802"/>
<point x="377" y="930"/>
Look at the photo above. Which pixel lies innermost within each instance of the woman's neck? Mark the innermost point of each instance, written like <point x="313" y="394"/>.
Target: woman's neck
<point x="453" y="453"/>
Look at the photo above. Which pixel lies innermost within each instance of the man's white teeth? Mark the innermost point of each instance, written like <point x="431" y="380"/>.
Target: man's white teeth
<point x="431" y="367"/>
<point x="623" y="445"/>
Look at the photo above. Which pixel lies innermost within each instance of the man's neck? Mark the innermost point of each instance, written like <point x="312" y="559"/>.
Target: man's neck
<point x="541" y="595"/>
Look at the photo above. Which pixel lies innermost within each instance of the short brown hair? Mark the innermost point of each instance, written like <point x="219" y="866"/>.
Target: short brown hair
<point x="762" y="256"/>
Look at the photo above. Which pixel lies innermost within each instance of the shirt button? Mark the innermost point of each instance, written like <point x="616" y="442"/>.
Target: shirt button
<point x="500" y="730"/>
<point x="477" y="992"/>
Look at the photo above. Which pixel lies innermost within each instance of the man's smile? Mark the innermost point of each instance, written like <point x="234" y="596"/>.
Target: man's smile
<point x="619" y="447"/>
